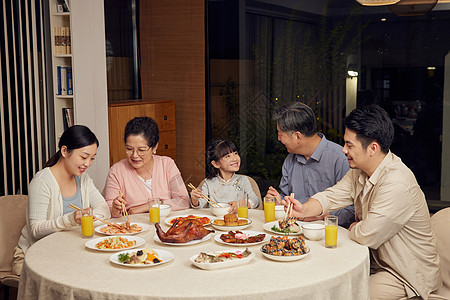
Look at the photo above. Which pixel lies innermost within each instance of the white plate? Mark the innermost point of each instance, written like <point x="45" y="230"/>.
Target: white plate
<point x="228" y="228"/>
<point x="167" y="220"/>
<point x="144" y="226"/>
<point x="91" y="243"/>
<point x="223" y="264"/>
<point x="165" y="256"/>
<point x="251" y="233"/>
<point x="268" y="227"/>
<point x="287" y="258"/>
<point x="193" y="242"/>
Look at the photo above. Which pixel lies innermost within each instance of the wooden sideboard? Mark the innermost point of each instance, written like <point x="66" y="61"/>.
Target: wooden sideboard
<point x="162" y="111"/>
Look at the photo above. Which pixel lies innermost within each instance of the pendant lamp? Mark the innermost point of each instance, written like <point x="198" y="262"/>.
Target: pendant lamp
<point x="412" y="7"/>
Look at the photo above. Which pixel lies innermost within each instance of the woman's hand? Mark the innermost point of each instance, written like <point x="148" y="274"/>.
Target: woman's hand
<point x="273" y="193"/>
<point x="78" y="213"/>
<point x="138" y="209"/>
<point x="116" y="208"/>
<point x="234" y="207"/>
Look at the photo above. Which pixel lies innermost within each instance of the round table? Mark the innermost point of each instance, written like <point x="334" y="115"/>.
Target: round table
<point x="59" y="266"/>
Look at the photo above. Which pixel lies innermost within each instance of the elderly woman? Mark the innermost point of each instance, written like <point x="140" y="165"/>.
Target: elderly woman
<point x="143" y="175"/>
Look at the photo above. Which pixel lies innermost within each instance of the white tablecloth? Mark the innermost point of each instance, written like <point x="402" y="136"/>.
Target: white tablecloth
<point x="60" y="267"/>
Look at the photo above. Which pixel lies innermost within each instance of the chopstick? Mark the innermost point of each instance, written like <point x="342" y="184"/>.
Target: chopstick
<point x="209" y="200"/>
<point x="124" y="209"/>
<point x="72" y="206"/>
<point x="289" y="209"/>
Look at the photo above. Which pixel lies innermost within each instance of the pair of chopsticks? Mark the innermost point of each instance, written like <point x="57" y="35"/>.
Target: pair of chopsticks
<point x="124" y="210"/>
<point x="209" y="200"/>
<point x="289" y="209"/>
<point x="74" y="207"/>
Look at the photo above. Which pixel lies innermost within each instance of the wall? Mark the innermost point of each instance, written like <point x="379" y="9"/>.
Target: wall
<point x="172" y="45"/>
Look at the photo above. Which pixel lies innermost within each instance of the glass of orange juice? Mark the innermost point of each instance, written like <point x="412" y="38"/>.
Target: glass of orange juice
<point x="153" y="209"/>
<point x="87" y="223"/>
<point x="331" y="231"/>
<point x="243" y="205"/>
<point x="269" y="209"/>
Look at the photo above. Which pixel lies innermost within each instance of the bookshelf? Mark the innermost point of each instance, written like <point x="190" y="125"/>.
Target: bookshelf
<point x="87" y="60"/>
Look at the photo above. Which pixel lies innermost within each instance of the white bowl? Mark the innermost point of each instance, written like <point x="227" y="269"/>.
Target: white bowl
<point x="164" y="210"/>
<point x="220" y="211"/>
<point x="313" y="231"/>
<point x="279" y="212"/>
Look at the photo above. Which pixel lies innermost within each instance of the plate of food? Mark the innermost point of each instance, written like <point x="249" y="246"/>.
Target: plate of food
<point x="206" y="220"/>
<point x="285" y="249"/>
<point x="192" y="242"/>
<point x="122" y="229"/>
<point x="230" y="222"/>
<point x="114" y="243"/>
<point x="283" y="227"/>
<point x="221" y="259"/>
<point x="144" y="257"/>
<point x="242" y="238"/>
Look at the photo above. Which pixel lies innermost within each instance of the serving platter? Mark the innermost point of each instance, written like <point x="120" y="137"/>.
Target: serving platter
<point x="223" y="264"/>
<point x="287" y="258"/>
<point x="144" y="226"/>
<point x="168" y="220"/>
<point x="268" y="227"/>
<point x="228" y="228"/>
<point x="165" y="256"/>
<point x="91" y="243"/>
<point x="250" y="233"/>
<point x="193" y="242"/>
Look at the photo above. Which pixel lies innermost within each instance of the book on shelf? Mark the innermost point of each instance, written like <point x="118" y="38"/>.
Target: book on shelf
<point x="68" y="119"/>
<point x="64" y="81"/>
<point x="62" y="40"/>
<point x="68" y="41"/>
<point x="69" y="81"/>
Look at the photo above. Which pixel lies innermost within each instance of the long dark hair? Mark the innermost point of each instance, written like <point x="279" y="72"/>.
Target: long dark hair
<point x="75" y="137"/>
<point x="214" y="152"/>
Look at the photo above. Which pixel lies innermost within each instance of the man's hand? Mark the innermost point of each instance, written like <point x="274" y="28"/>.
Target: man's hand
<point x="273" y="193"/>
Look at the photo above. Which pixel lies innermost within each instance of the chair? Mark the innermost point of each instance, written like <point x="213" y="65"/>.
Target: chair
<point x="440" y="222"/>
<point x="12" y="220"/>
<point x="254" y="185"/>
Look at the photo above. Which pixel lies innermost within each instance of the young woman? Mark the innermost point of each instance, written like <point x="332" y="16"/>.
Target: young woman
<point x="62" y="181"/>
<point x="222" y="184"/>
<point x="143" y="175"/>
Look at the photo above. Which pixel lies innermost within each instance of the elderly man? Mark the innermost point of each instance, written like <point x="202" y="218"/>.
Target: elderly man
<point x="391" y="210"/>
<point x="314" y="163"/>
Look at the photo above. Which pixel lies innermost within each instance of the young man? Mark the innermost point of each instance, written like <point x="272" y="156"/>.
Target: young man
<point x="391" y="210"/>
<point x="314" y="163"/>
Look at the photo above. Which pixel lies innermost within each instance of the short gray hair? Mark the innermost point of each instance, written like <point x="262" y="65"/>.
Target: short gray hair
<point x="296" y="117"/>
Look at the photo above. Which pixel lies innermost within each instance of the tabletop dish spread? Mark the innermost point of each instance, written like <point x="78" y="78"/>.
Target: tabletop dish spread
<point x="222" y="259"/>
<point x="242" y="238"/>
<point x="113" y="230"/>
<point x="206" y="220"/>
<point x="114" y="243"/>
<point x="285" y="249"/>
<point x="144" y="257"/>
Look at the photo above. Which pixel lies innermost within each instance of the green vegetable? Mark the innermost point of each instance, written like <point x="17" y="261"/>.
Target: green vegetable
<point x="124" y="257"/>
<point x="287" y="230"/>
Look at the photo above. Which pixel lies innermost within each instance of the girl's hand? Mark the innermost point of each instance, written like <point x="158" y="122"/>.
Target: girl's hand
<point x="116" y="208"/>
<point x="234" y="207"/>
<point x="273" y="193"/>
<point x="195" y="194"/>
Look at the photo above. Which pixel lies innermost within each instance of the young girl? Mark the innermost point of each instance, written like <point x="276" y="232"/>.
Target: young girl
<point x="62" y="181"/>
<point x="222" y="184"/>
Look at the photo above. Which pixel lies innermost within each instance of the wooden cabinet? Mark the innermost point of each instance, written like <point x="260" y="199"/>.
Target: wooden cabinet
<point x="163" y="112"/>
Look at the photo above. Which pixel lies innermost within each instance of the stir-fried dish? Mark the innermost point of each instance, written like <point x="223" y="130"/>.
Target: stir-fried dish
<point x="121" y="228"/>
<point x="116" y="242"/>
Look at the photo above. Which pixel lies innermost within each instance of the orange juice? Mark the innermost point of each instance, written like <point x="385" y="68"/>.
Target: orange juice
<point x="269" y="211"/>
<point x="87" y="226"/>
<point x="154" y="214"/>
<point x="331" y="236"/>
<point x="243" y="212"/>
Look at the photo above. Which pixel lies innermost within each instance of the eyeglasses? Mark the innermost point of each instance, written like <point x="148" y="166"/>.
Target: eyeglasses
<point x="140" y="152"/>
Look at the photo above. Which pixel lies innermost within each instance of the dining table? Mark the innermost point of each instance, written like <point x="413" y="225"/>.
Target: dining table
<point x="60" y="266"/>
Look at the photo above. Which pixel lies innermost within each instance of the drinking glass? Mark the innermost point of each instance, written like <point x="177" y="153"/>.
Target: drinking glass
<point x="243" y="205"/>
<point x="87" y="223"/>
<point x="269" y="209"/>
<point x="331" y="231"/>
<point x="153" y="209"/>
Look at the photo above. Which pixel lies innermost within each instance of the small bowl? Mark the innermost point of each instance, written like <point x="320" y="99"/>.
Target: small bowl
<point x="164" y="210"/>
<point x="279" y="212"/>
<point x="313" y="231"/>
<point x="220" y="211"/>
